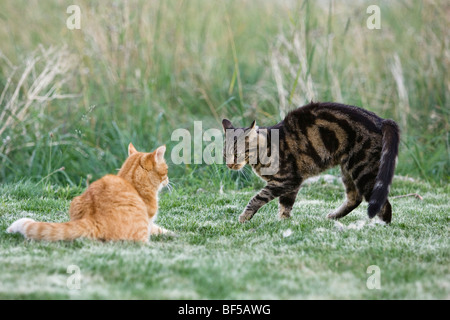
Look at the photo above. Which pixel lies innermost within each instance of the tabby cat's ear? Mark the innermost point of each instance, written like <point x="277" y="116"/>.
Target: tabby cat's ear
<point x="253" y="125"/>
<point x="131" y="149"/>
<point x="227" y="124"/>
<point x="159" y="153"/>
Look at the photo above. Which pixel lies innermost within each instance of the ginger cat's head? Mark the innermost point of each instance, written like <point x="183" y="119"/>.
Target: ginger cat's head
<point x="143" y="170"/>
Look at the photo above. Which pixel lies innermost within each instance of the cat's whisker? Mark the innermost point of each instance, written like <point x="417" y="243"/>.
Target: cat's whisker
<point x="244" y="172"/>
<point x="170" y="187"/>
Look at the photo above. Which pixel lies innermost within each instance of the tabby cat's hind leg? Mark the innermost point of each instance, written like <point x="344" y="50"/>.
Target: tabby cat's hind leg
<point x="385" y="213"/>
<point x="353" y="200"/>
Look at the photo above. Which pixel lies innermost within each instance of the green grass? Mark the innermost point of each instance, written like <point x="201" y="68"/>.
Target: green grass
<point x="71" y="101"/>
<point x="215" y="257"/>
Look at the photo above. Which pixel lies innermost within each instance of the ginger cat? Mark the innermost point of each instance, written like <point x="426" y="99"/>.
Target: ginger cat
<point x="120" y="207"/>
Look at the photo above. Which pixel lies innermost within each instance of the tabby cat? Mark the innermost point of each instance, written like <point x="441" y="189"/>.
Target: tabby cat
<point x="316" y="137"/>
<point x="115" y="207"/>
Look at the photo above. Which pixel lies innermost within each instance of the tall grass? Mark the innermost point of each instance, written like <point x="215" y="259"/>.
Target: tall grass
<point x="140" y="69"/>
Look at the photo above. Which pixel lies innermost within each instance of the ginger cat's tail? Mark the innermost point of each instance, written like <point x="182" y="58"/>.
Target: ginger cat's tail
<point x="51" y="231"/>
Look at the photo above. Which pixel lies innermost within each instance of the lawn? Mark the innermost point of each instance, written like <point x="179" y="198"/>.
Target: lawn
<point x="72" y="99"/>
<point x="215" y="257"/>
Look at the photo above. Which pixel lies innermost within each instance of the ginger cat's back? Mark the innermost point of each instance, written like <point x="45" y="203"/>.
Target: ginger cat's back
<point x="113" y="202"/>
<point x="120" y="207"/>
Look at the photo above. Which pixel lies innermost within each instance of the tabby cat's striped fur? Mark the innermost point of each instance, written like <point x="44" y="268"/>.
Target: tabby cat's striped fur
<point x="319" y="136"/>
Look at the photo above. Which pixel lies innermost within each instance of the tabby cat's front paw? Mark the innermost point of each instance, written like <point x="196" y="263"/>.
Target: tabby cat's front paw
<point x="333" y="216"/>
<point x="245" y="216"/>
<point x="284" y="215"/>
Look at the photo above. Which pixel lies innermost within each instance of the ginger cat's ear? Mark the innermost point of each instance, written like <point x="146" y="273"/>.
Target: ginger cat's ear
<point x="159" y="153"/>
<point x="131" y="149"/>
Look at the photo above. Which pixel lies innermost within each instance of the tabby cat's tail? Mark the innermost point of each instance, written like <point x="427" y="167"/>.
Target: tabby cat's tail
<point x="51" y="231"/>
<point x="389" y="152"/>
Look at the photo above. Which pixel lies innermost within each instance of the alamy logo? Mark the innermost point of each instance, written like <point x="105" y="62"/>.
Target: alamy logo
<point x="74" y="281"/>
<point x="374" y="281"/>
<point x="182" y="152"/>
<point x="74" y="20"/>
<point x="241" y="147"/>
<point x="374" y="21"/>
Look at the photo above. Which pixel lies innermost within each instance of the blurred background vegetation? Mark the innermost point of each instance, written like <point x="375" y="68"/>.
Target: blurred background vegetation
<point x="71" y="100"/>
